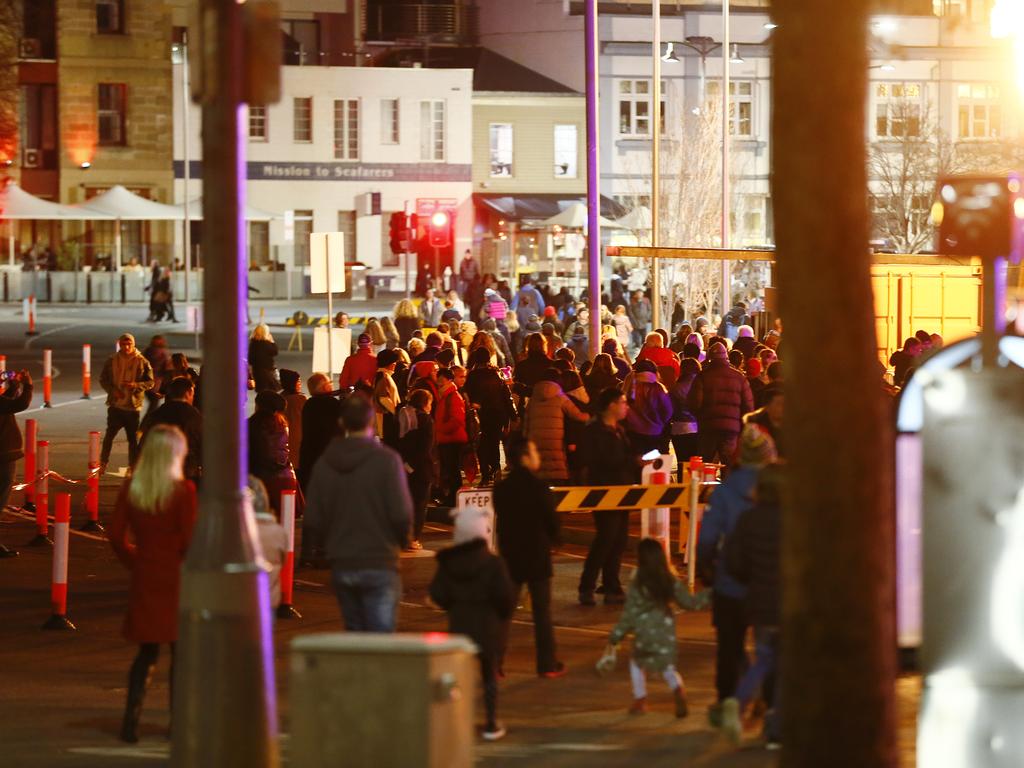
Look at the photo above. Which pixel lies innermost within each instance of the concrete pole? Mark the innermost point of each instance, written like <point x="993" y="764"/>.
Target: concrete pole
<point x="593" y="178"/>
<point x="186" y="136"/>
<point x="224" y="698"/>
<point x="726" y="299"/>
<point x="656" y="162"/>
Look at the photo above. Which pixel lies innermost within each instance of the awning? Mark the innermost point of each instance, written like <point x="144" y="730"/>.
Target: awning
<point x="575" y="217"/>
<point x="638" y="218"/>
<point x="195" y="212"/>
<point x="118" y="203"/>
<point x="535" y="208"/>
<point x="16" y="203"/>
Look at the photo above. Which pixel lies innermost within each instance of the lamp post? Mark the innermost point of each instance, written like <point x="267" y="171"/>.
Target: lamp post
<point x="186" y="143"/>
<point x="726" y="299"/>
<point x="655" y="111"/>
<point x="593" y="178"/>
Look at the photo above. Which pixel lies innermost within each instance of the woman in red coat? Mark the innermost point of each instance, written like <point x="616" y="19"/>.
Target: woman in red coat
<point x="157" y="507"/>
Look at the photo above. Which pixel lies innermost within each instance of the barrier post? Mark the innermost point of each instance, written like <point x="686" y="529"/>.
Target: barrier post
<point x="3" y="363"/>
<point x="87" y="371"/>
<point x="656" y="523"/>
<point x="30" y="304"/>
<point x="47" y="378"/>
<point x="696" y="478"/>
<point x="31" y="435"/>
<point x="92" y="494"/>
<point x="42" y="495"/>
<point x="59" y="582"/>
<point x="286" y="610"/>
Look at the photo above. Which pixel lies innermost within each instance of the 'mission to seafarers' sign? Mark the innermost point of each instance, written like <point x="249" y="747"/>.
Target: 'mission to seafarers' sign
<point x="288" y="171"/>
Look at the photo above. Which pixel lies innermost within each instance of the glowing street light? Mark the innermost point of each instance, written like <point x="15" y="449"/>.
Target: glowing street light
<point x="1007" y="21"/>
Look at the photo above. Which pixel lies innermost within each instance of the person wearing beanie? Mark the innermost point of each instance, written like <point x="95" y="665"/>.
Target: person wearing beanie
<point x="722" y="396"/>
<point x="745" y="341"/>
<point x="360" y="367"/>
<point x="551" y="316"/>
<point x="291" y="389"/>
<point x="729" y="501"/>
<point x="752" y="368"/>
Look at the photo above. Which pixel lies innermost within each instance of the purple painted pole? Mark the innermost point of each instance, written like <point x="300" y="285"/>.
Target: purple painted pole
<point x="593" y="180"/>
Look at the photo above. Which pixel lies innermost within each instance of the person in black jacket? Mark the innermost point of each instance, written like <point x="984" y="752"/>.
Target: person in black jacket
<point x="473" y="586"/>
<point x="485" y="388"/>
<point x="527" y="529"/>
<point x="416" y="446"/>
<point x="179" y="411"/>
<point x="320" y="415"/>
<point x="752" y="556"/>
<point x="608" y="461"/>
<point x="533" y="366"/>
<point x="16" y="398"/>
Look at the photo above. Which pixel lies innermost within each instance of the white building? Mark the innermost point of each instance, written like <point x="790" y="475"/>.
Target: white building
<point x="343" y="149"/>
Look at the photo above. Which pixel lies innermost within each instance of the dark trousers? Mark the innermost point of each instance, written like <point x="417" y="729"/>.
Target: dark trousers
<point x="642" y="444"/>
<point x="727" y="615"/>
<point x="489" y="675"/>
<point x="715" y="443"/>
<point x="118" y="419"/>
<point x="605" y="555"/>
<point x="543" y="627"/>
<point x="687" y="446"/>
<point x="7" y="475"/>
<point x="419" y="489"/>
<point x="487" y="452"/>
<point x="450" y="455"/>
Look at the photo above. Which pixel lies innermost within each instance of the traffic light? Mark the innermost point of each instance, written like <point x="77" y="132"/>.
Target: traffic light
<point x="440" y="229"/>
<point x="402" y="232"/>
<point x="981" y="216"/>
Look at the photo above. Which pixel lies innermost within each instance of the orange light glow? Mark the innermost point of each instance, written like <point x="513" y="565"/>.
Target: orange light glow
<point x="1007" y="21"/>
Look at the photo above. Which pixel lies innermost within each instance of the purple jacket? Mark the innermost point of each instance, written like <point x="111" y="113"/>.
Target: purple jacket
<point x="650" y="408"/>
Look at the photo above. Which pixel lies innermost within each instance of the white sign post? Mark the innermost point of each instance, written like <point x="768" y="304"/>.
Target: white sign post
<point x="657" y="523"/>
<point x="339" y="348"/>
<point x="327" y="275"/>
<point x="474" y="516"/>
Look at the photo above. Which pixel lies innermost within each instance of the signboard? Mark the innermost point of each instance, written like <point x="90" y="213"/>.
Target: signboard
<point x="657" y="523"/>
<point x="326" y="257"/>
<point x="474" y="516"/>
<point x="341" y="345"/>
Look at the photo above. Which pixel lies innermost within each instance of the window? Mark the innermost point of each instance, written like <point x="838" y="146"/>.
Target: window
<point x="259" y="242"/>
<point x="301" y="42"/>
<point x="635" y="107"/>
<point x="432" y="131"/>
<point x="347" y="227"/>
<point x="110" y="17"/>
<point x="346" y="129"/>
<point x="303" y="229"/>
<point x="898" y="108"/>
<point x="111" y="113"/>
<point x="979" y="115"/>
<point x="566" y="154"/>
<point x="501" y="150"/>
<point x="39" y="126"/>
<point x="302" y="120"/>
<point x="629" y="202"/>
<point x="257" y="123"/>
<point x="741" y="104"/>
<point x="389" y="121"/>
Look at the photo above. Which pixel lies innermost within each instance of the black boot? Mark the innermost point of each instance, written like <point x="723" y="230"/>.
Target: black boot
<point x="138" y="682"/>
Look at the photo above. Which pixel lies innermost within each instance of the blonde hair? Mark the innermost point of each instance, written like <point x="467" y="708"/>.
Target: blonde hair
<point x="416" y="346"/>
<point x="405" y="308"/>
<point x="390" y="331"/>
<point x="375" y="332"/>
<point x="261" y="333"/>
<point x="159" y="469"/>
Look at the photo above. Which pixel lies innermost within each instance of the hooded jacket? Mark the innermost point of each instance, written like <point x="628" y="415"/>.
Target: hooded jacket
<point x="125" y="379"/>
<point x="358" y="504"/>
<point x="450" y="416"/>
<point x="473" y="586"/>
<point x="545" y="426"/>
<point x="650" y="409"/>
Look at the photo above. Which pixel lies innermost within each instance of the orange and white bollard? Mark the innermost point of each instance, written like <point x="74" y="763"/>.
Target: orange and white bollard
<point x="47" y="378"/>
<point x="3" y="363"/>
<point x="92" y="483"/>
<point x="59" y="582"/>
<point x="696" y="480"/>
<point x="31" y="435"/>
<point x="30" y="313"/>
<point x="87" y="371"/>
<point x="286" y="610"/>
<point x="42" y="495"/>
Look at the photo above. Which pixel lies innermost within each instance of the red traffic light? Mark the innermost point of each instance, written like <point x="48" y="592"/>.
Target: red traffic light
<point x="440" y="229"/>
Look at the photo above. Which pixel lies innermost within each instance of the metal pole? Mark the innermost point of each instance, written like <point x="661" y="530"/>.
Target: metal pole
<point x="330" y="314"/>
<point x="224" y="706"/>
<point x="408" y="228"/>
<point x="656" y="163"/>
<point x="726" y="300"/>
<point x="593" y="179"/>
<point x="187" y="145"/>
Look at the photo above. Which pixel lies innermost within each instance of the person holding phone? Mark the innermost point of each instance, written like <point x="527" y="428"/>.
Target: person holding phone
<point x="17" y="394"/>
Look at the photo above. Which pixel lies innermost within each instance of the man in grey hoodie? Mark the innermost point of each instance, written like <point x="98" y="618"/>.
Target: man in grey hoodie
<point x="358" y="506"/>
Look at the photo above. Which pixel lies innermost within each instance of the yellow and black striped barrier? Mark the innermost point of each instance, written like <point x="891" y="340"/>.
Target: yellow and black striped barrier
<point x="596" y="498"/>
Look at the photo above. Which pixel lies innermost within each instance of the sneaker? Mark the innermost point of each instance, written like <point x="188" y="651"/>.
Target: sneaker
<point x="614" y="598"/>
<point x="587" y="598"/>
<point x="494" y="731"/>
<point x="773" y="745"/>
<point x="559" y="670"/>
<point x="415" y="545"/>
<point x="638" y="707"/>
<point x="731" y="725"/>
<point x="715" y="715"/>
<point x="682" y="708"/>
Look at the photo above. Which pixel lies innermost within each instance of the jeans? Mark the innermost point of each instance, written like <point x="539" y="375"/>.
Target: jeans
<point x="7" y="474"/>
<point x="727" y="614"/>
<point x="368" y="598"/>
<point x="605" y="555"/>
<point x="543" y="627"/>
<point x="118" y="419"/>
<point x="762" y="672"/>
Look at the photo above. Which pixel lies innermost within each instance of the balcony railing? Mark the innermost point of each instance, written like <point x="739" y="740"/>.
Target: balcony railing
<point x="455" y="23"/>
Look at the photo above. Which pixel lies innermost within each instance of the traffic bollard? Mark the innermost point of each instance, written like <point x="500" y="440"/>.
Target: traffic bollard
<point x="3" y="363"/>
<point x="31" y="435"/>
<point x="59" y="582"/>
<point x="47" y="378"/>
<point x="30" y="310"/>
<point x="696" y="478"/>
<point x="42" y="495"/>
<point x="92" y="494"/>
<point x="87" y="371"/>
<point x="286" y="610"/>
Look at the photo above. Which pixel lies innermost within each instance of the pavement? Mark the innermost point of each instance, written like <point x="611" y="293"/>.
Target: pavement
<point x="63" y="692"/>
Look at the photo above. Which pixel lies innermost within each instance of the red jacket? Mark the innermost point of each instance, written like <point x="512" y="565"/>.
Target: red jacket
<point x="450" y="417"/>
<point x="660" y="357"/>
<point x="362" y="366"/>
<point x="154" y="559"/>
